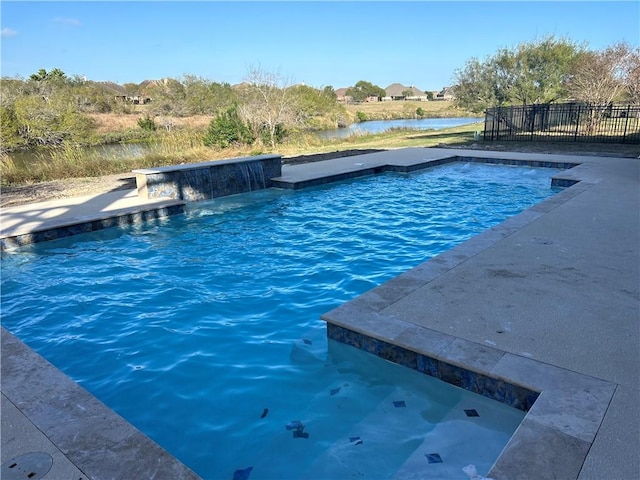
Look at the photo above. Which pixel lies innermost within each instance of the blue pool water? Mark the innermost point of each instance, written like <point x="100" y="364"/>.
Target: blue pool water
<point x="203" y="330"/>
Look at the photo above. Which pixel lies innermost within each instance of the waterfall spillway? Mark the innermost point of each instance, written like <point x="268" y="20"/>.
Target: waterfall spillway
<point x="253" y="174"/>
<point x="202" y="181"/>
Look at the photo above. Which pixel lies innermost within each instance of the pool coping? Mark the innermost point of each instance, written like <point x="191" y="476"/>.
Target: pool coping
<point x="523" y="383"/>
<point x="62" y="228"/>
<point x="546" y="424"/>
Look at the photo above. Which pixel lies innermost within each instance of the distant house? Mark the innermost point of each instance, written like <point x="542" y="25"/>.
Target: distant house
<point x="445" y="94"/>
<point x="397" y="91"/>
<point x="341" y="95"/>
<point x="135" y="99"/>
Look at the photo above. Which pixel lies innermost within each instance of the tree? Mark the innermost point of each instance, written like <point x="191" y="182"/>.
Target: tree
<point x="477" y="86"/>
<point x="10" y="137"/>
<point x="599" y="78"/>
<point x="539" y="69"/>
<point x="267" y="104"/>
<point x="529" y="73"/>
<point x="203" y="97"/>
<point x="632" y="76"/>
<point x="45" y="83"/>
<point x="54" y="75"/>
<point x="362" y="90"/>
<point x="407" y="93"/>
<point x="50" y="122"/>
<point x="329" y="92"/>
<point x="315" y="109"/>
<point x="168" y="97"/>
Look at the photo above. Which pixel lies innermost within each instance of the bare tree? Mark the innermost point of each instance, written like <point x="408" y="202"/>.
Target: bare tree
<point x="267" y="103"/>
<point x="598" y="77"/>
<point x="601" y="77"/>
<point x="632" y="76"/>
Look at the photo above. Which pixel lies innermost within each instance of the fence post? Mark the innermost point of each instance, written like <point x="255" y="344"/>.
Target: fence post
<point x="575" y="135"/>
<point x="486" y="119"/>
<point x="626" y="122"/>
<point x="532" y="119"/>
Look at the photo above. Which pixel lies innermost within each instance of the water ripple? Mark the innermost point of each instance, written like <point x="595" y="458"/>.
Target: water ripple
<point x="196" y="325"/>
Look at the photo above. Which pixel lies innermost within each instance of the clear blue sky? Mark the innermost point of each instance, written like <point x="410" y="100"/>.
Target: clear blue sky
<point x="319" y="43"/>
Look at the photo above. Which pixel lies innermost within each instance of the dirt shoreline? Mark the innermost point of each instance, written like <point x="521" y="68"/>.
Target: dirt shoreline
<point x="76" y="187"/>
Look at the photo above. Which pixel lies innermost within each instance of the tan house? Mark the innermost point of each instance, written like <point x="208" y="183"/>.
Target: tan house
<point x="341" y="95"/>
<point x="397" y="91"/>
<point x="445" y="94"/>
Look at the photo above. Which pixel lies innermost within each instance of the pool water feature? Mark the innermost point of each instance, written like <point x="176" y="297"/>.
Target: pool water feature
<point x="204" y="331"/>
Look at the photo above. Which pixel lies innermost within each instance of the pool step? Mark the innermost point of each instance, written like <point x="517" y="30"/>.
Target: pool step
<point x="374" y="447"/>
<point x="473" y="432"/>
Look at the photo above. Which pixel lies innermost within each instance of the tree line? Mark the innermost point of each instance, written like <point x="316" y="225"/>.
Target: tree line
<point x="550" y="70"/>
<point x="50" y="108"/>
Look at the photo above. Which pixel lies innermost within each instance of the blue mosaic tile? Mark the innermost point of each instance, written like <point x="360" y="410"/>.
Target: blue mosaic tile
<point x="369" y="344"/>
<point x="295" y="425"/>
<point x="298" y="429"/>
<point x="427" y="365"/>
<point x="496" y="389"/>
<point x="242" y="474"/>
<point x="123" y="220"/>
<point x="433" y="457"/>
<point x="399" y="355"/>
<point x="450" y="374"/>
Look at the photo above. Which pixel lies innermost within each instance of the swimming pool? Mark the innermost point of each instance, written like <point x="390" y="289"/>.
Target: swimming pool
<point x="233" y="292"/>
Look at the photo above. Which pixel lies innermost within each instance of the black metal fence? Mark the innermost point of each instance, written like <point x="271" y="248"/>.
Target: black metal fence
<point x="564" y="122"/>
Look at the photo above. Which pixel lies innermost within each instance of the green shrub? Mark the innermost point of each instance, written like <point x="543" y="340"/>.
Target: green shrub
<point x="147" y="123"/>
<point x="420" y="112"/>
<point x="361" y="116"/>
<point x="228" y="129"/>
<point x="279" y="134"/>
<point x="10" y="138"/>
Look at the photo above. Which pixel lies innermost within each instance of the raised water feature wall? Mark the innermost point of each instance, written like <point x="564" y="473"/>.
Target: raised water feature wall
<point x="206" y="180"/>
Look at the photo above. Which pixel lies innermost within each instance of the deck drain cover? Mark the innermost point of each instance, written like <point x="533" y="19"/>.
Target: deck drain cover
<point x="30" y="466"/>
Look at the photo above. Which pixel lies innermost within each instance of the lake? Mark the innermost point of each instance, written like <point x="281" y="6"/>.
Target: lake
<point x="378" y="126"/>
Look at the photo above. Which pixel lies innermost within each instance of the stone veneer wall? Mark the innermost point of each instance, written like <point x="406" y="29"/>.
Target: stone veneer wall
<point x="207" y="180"/>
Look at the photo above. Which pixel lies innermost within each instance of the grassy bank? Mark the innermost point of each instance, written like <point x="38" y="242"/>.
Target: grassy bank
<point x="184" y="145"/>
<point x="400" y="110"/>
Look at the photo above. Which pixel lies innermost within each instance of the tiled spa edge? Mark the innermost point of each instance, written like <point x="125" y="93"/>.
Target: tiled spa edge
<point x="67" y="227"/>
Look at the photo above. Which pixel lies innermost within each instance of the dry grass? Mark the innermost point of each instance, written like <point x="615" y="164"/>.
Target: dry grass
<point x="110" y="122"/>
<point x="119" y="122"/>
<point x="406" y="109"/>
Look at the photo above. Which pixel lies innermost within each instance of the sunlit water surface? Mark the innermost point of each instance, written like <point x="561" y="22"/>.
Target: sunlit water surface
<point x="203" y="330"/>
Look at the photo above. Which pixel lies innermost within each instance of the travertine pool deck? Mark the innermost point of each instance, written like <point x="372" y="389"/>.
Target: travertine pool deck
<point x="548" y="301"/>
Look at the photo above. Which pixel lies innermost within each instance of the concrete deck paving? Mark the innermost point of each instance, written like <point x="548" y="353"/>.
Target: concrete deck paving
<point x="548" y="300"/>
